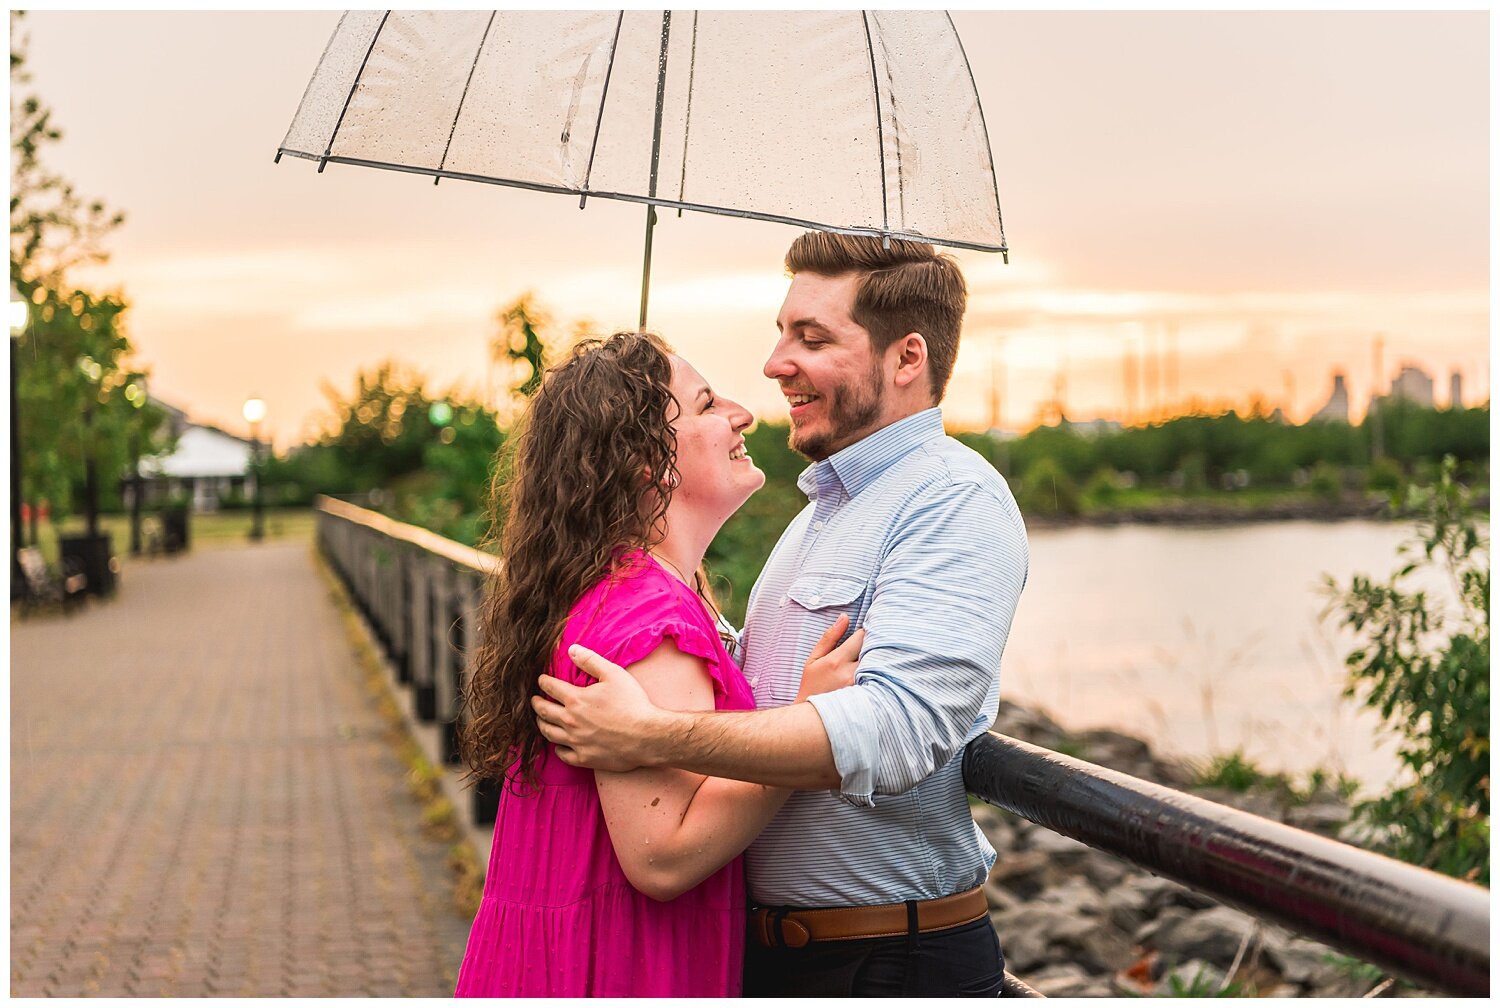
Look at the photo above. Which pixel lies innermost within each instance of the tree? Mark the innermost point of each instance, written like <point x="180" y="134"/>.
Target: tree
<point x="52" y="228"/>
<point x="84" y="416"/>
<point x="520" y="342"/>
<point x="1425" y="667"/>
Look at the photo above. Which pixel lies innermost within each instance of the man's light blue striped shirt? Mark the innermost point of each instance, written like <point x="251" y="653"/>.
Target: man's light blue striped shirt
<point x="918" y="539"/>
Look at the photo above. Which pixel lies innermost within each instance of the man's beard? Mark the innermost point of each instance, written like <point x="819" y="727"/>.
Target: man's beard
<point x="850" y="409"/>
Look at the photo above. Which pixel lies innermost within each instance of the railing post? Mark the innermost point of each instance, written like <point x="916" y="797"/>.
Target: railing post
<point x="424" y="699"/>
<point x="405" y="621"/>
<point x="449" y="678"/>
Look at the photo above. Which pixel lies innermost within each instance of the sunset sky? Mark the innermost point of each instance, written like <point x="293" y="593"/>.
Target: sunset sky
<point x="1265" y="191"/>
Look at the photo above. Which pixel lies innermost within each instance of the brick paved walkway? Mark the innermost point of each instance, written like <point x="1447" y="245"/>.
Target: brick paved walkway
<point x="203" y="801"/>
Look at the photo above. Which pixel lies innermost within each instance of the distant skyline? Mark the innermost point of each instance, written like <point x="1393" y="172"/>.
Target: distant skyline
<point x="1267" y="191"/>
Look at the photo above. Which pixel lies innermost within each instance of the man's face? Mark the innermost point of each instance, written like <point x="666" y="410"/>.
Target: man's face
<point x="834" y="381"/>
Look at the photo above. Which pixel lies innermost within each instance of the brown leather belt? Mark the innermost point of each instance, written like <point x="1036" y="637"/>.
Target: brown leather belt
<point x="788" y="927"/>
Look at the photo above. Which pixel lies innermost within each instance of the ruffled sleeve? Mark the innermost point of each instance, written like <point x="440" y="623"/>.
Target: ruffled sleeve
<point x="629" y="617"/>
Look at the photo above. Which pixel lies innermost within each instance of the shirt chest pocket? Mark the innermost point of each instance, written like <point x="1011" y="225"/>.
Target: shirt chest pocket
<point x="815" y="601"/>
<point x="826" y="593"/>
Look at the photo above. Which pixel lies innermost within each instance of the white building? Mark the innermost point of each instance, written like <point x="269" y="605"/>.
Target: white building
<point x="207" y="465"/>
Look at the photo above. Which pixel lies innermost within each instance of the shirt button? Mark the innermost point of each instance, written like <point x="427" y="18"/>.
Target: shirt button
<point x="815" y="599"/>
<point x="818" y="525"/>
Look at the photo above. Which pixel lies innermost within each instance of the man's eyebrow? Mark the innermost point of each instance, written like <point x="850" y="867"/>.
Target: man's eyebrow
<point x="809" y="323"/>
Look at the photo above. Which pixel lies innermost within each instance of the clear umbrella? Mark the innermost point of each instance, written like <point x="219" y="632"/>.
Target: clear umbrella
<point x="862" y="122"/>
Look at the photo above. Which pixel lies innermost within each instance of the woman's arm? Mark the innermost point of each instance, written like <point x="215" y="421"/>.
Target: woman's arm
<point x="672" y="829"/>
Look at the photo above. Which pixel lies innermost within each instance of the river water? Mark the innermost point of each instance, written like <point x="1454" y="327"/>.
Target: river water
<point x="1203" y="640"/>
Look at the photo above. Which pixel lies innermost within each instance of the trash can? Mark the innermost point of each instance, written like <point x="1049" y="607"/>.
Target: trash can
<point x="91" y="556"/>
<point x="174" y="528"/>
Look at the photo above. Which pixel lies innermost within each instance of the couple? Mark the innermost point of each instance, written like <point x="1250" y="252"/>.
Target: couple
<point x="617" y="865"/>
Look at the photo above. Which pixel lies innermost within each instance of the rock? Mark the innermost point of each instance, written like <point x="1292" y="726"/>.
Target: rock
<point x="1075" y="896"/>
<point x="1195" y="978"/>
<point x="1104" y="870"/>
<point x="1037" y="933"/>
<point x="1162" y="924"/>
<point x="1061" y="980"/>
<point x="1116" y="751"/>
<point x="1255" y="801"/>
<point x="1297" y="960"/>
<point x="1269" y="946"/>
<point x="1162" y="893"/>
<point x="1285" y="990"/>
<point x="1055" y="845"/>
<point x="1025" y="874"/>
<point x="1104" y="949"/>
<point x="1326" y="818"/>
<point x="1026" y="725"/>
<point x="999" y="898"/>
<point x="1213" y="935"/>
<point x="1125" y="907"/>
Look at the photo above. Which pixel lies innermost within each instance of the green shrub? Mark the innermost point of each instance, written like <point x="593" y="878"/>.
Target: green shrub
<point x="1047" y="489"/>
<point x="1426" y="670"/>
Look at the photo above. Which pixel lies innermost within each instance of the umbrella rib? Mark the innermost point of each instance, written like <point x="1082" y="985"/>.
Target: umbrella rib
<point x="999" y="218"/>
<point x="669" y="203"/>
<point x="885" y="213"/>
<point x="443" y="162"/>
<point x="895" y="125"/>
<point x="588" y="174"/>
<point x="323" y="163"/>
<point x="687" y="121"/>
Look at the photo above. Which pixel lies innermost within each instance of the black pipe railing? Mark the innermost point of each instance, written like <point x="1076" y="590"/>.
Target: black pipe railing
<point x="1426" y="927"/>
<point x="420" y="594"/>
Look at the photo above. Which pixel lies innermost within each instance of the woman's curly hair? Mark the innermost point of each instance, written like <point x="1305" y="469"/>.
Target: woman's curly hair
<point x="598" y="434"/>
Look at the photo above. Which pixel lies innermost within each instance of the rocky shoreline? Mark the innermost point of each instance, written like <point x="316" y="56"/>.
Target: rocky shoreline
<point x="1076" y="922"/>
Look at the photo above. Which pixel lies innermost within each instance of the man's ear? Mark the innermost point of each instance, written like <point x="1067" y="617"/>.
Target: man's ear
<point x="909" y="357"/>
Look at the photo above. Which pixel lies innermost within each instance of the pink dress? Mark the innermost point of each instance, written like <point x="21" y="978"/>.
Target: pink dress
<point x="558" y="917"/>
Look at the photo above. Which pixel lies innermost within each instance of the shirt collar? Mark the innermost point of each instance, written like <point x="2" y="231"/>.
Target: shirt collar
<point x="863" y="462"/>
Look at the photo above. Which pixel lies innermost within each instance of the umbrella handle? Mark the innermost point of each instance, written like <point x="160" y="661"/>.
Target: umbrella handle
<point x="646" y="266"/>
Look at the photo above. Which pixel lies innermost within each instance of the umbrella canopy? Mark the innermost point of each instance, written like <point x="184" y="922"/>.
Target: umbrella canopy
<point x="863" y="122"/>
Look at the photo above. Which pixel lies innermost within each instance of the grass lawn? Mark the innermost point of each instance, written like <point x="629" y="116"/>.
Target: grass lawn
<point x="220" y="530"/>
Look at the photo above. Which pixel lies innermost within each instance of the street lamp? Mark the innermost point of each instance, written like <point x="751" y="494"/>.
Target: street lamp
<point x="255" y="412"/>
<point x="20" y="315"/>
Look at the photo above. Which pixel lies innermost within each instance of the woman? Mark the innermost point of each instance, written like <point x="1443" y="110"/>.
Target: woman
<point x="615" y="884"/>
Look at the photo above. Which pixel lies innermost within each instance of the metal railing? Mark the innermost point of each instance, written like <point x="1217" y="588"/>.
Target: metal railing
<point x="420" y="594"/>
<point x="1425" y="927"/>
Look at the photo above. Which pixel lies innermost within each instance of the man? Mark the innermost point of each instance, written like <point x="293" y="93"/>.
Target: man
<point x="868" y="880"/>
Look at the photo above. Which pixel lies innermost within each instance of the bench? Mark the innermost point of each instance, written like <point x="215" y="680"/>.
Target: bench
<point x="42" y="587"/>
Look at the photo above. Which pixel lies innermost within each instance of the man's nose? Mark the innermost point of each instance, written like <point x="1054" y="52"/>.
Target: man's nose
<point x="779" y="364"/>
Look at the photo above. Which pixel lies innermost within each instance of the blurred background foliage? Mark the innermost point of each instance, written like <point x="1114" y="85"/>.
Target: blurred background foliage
<point x="430" y="458"/>
<point x="84" y="417"/>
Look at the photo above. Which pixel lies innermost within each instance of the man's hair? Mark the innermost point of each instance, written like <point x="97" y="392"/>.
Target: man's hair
<point x="907" y="288"/>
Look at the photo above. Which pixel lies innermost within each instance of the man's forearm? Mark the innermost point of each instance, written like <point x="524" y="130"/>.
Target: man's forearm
<point x="784" y="747"/>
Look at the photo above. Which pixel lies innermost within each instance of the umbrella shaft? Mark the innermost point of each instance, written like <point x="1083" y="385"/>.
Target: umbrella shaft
<point x="661" y="87"/>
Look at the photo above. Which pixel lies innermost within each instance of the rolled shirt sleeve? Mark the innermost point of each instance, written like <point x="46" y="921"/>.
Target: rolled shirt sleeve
<point x="928" y="679"/>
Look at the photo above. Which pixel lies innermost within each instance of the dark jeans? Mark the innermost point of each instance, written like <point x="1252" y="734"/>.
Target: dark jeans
<point x="963" y="961"/>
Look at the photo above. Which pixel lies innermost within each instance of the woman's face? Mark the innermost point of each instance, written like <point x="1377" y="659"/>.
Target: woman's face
<point x="716" y="474"/>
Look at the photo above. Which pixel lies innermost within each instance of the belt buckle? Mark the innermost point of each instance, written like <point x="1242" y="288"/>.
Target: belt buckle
<point x="779" y="932"/>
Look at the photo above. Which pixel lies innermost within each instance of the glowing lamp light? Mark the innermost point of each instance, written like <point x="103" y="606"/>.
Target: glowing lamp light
<point x="255" y="410"/>
<point x="20" y="311"/>
<point x="440" y="413"/>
